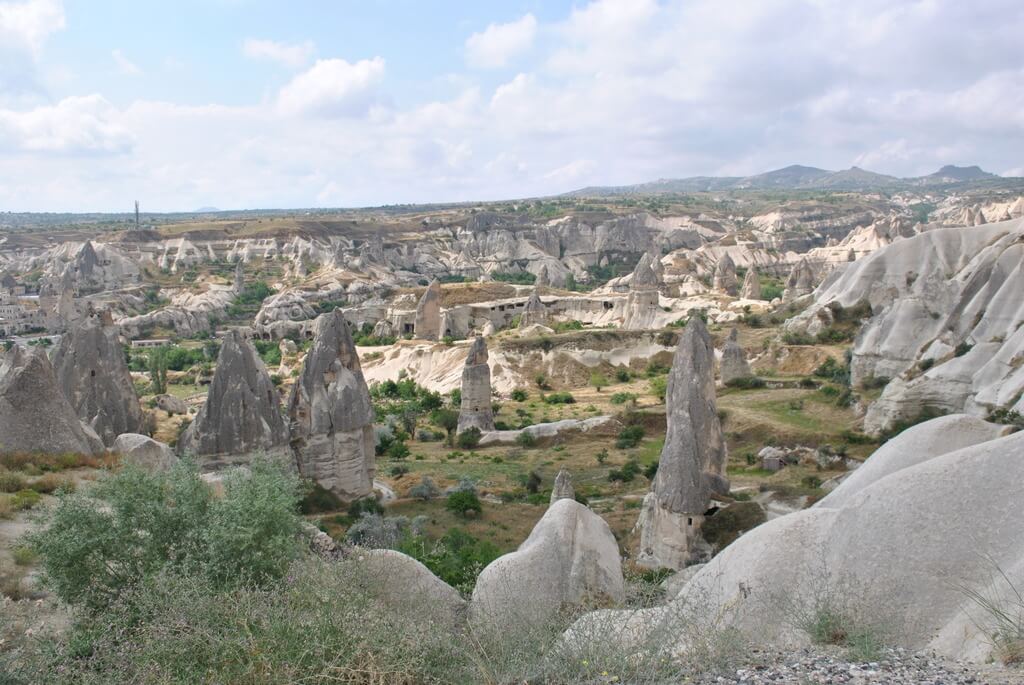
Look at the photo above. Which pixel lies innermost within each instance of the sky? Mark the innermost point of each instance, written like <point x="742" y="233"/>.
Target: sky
<point x="255" y="104"/>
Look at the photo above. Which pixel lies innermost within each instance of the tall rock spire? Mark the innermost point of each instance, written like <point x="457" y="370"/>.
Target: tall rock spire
<point x="475" y="411"/>
<point x="330" y="413"/>
<point x="692" y="462"/>
<point x="428" y="313"/>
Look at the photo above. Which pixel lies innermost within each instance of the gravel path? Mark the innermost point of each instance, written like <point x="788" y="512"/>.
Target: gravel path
<point x="809" y="667"/>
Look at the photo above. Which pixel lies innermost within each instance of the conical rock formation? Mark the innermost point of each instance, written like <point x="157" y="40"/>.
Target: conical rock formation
<point x="751" y="285"/>
<point x="734" y="361"/>
<point x="563" y="486"/>
<point x="242" y="414"/>
<point x="534" y="312"/>
<point x="692" y="462"/>
<point x="475" y="411"/>
<point x="92" y="373"/>
<point x="642" y="304"/>
<point x="428" y="313"/>
<point x="725" y="275"/>
<point x="35" y="416"/>
<point x="330" y="414"/>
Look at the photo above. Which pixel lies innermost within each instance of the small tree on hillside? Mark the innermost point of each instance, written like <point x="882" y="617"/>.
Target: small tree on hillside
<point x="598" y="380"/>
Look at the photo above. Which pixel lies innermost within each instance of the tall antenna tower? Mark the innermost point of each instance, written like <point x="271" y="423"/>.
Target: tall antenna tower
<point x="136" y="215"/>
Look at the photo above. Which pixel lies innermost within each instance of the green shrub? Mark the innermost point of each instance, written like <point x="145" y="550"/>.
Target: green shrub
<point x="469" y="438"/>
<point x="962" y="349"/>
<point x="659" y="386"/>
<point x="11" y="481"/>
<point x="729" y="522"/>
<point x="25" y="499"/>
<point x="426" y="490"/>
<point x="623" y="398"/>
<point x="622" y="375"/>
<point x="559" y="398"/>
<point x="520" y="395"/>
<point x="463" y="503"/>
<point x="629" y="471"/>
<point x="135" y="526"/>
<point x="365" y="505"/>
<point x="1006" y="416"/>
<point x="745" y="382"/>
<point x="525" y="439"/>
<point x="398" y="450"/>
<point x="318" y="500"/>
<point x="796" y="338"/>
<point x="925" y="364"/>
<point x="629" y="437"/>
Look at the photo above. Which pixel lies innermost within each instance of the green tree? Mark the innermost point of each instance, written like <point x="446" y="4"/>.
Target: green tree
<point x="448" y="419"/>
<point x="598" y="380"/>
<point x="464" y="503"/>
<point x="158" y="370"/>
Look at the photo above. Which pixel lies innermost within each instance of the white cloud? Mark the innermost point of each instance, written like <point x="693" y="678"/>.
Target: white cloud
<point x="496" y="45"/>
<point x="332" y="87"/>
<point x="125" y="65"/>
<point x="292" y="55"/>
<point x="24" y="28"/>
<point x="75" y="125"/>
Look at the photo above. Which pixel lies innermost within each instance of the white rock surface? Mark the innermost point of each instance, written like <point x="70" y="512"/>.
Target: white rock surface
<point x="144" y="451"/>
<point x="570" y="558"/>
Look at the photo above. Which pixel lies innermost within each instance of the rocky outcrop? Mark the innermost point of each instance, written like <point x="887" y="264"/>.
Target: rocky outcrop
<point x="144" y="452"/>
<point x="534" y="312"/>
<point x="570" y="559"/>
<point x="563" y="486"/>
<point x="171" y="404"/>
<point x="92" y="372"/>
<point x="642" y="304"/>
<point x="475" y="410"/>
<point x="242" y="413"/>
<point x="35" y="416"/>
<point x="800" y="281"/>
<point x="402" y="582"/>
<point x="330" y="414"/>
<point x="734" y="361"/>
<point x="692" y="464"/>
<point x="724" y="279"/>
<point x="945" y="312"/>
<point x="891" y="552"/>
<point x="751" y="289"/>
<point x="428" y="313"/>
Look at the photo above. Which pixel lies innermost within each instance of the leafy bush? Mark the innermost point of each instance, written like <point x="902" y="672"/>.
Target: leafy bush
<point x="629" y="437"/>
<point x="622" y="375"/>
<point x="12" y="482"/>
<point x="559" y="398"/>
<point x="426" y="490"/>
<point x="519" y="395"/>
<point x="833" y="334"/>
<point x="962" y="349"/>
<point x="727" y="523"/>
<point x="629" y="471"/>
<point x="624" y="397"/>
<point x="469" y="438"/>
<point x="659" y="386"/>
<point x="833" y="371"/>
<point x="319" y="499"/>
<point x="25" y="499"/>
<point x="457" y="557"/>
<point x="463" y="503"/>
<point x="526" y="439"/>
<point x="598" y="380"/>
<point x="137" y="525"/>
<point x="745" y="382"/>
<point x="925" y="364"/>
<point x="398" y="450"/>
<point x="520" y="278"/>
<point x="533" y="482"/>
<point x="365" y="505"/>
<point x="796" y="338"/>
<point x="1006" y="416"/>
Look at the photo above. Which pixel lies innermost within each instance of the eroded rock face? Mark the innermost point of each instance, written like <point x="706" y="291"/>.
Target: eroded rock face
<point x="92" y="372"/>
<point x="734" y="361"/>
<point x="944" y="308"/>
<point x="144" y="451"/>
<point x="894" y="547"/>
<point x="751" y="289"/>
<point x="171" y="404"/>
<point x="475" y="410"/>
<point x="428" y="313"/>
<point x="692" y="462"/>
<point x="725" y="275"/>
<point x="570" y="559"/>
<point x="563" y="487"/>
<point x="35" y="416"/>
<point x="330" y="413"/>
<point x="242" y="413"/>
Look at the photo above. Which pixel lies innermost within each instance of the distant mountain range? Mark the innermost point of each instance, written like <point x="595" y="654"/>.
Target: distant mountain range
<point x="795" y="177"/>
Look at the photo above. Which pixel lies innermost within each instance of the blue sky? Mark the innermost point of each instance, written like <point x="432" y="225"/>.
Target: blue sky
<point x="239" y="103"/>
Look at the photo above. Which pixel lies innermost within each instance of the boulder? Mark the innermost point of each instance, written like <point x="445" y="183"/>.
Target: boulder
<point x="734" y="361"/>
<point x="428" y="313"/>
<point x="570" y="559"/>
<point x="563" y="486"/>
<point x="475" y="410"/>
<point x="35" y="415"/>
<point x="692" y="464"/>
<point x="242" y="412"/>
<point x="92" y="373"/>
<point x="171" y="404"/>
<point x="902" y="552"/>
<point x="330" y="413"/>
<point x="751" y="289"/>
<point x="144" y="451"/>
<point x="403" y="582"/>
